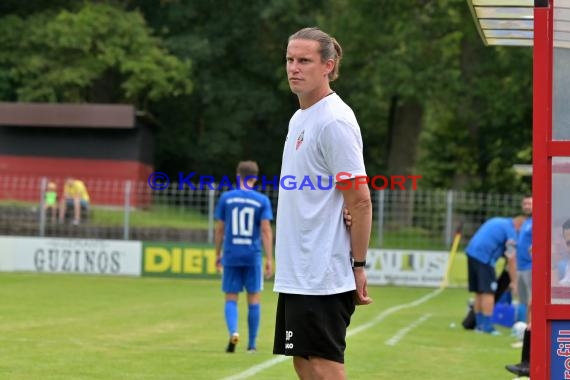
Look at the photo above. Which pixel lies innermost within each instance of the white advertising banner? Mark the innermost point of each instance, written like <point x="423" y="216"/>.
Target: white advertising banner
<point x="406" y="267"/>
<point x="81" y="256"/>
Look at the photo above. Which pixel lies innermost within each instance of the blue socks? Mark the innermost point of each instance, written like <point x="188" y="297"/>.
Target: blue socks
<point x="484" y="322"/>
<point x="231" y="313"/>
<point x="479" y="321"/>
<point x="487" y="324"/>
<point x="253" y="317"/>
<point x="521" y="312"/>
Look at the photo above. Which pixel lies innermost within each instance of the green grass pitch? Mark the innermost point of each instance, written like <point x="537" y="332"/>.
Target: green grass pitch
<point x="81" y="327"/>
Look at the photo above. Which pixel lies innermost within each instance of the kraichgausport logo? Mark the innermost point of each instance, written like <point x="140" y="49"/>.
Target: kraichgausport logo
<point x="342" y="181"/>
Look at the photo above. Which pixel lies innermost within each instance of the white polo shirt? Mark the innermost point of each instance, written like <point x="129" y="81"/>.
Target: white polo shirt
<point x="312" y="252"/>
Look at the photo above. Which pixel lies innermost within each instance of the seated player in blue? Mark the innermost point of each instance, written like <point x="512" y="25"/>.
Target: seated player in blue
<point x="495" y="238"/>
<point x="243" y="223"/>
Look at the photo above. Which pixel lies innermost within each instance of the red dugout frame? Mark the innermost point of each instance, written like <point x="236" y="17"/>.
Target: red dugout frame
<point x="543" y="311"/>
<point x="542" y="188"/>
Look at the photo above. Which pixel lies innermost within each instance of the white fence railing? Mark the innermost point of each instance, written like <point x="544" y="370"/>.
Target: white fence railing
<point x="422" y="219"/>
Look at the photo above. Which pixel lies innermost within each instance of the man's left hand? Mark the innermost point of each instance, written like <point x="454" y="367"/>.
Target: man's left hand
<point x="361" y="292"/>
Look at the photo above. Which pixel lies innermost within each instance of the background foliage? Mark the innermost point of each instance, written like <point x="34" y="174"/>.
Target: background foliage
<point x="430" y="97"/>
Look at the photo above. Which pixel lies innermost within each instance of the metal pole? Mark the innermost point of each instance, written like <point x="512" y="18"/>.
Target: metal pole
<point x="127" y="210"/>
<point x="211" y="198"/>
<point x="449" y="218"/>
<point x="43" y="187"/>
<point x="380" y="218"/>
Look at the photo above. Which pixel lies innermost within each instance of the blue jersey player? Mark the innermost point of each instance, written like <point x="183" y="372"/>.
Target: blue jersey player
<point x="243" y="226"/>
<point x="495" y="238"/>
<point x="524" y="261"/>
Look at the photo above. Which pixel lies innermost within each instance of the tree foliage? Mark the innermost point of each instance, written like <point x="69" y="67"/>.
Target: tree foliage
<point x="475" y="134"/>
<point x="97" y="53"/>
<point x="241" y="104"/>
<point x="430" y="97"/>
<point x="425" y="56"/>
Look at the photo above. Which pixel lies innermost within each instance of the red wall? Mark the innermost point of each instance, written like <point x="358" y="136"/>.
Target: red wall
<point x="20" y="178"/>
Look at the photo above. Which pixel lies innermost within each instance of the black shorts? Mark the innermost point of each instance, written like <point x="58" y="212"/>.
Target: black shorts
<point x="313" y="325"/>
<point x="482" y="277"/>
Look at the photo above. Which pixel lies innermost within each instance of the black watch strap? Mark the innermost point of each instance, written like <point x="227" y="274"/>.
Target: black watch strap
<point x="357" y="264"/>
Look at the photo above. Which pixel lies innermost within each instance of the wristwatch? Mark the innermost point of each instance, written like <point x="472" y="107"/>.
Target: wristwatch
<point x="356" y="264"/>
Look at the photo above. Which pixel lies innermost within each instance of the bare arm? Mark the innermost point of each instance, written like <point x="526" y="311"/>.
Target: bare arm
<point x="357" y="201"/>
<point x="511" y="255"/>
<point x="267" y="240"/>
<point x="218" y="240"/>
<point x="512" y="268"/>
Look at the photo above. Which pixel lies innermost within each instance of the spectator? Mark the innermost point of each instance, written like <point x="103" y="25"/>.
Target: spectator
<point x="74" y="195"/>
<point x="50" y="201"/>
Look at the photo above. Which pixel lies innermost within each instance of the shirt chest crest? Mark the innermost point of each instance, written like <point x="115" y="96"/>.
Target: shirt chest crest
<point x="300" y="139"/>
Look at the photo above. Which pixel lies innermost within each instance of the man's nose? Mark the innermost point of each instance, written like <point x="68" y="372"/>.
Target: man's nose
<point x="293" y="67"/>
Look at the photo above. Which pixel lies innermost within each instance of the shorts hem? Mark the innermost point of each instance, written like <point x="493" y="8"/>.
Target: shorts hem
<point x="307" y="355"/>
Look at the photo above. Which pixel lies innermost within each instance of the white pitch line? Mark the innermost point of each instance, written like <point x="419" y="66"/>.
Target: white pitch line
<point x="258" y="368"/>
<point x="402" y="333"/>
<point x="269" y="363"/>
<point x="393" y="310"/>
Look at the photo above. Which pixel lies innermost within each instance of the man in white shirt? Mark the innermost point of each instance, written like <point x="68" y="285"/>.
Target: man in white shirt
<point x="320" y="273"/>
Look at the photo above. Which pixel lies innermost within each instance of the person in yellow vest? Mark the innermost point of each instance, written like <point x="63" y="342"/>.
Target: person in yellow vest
<point x="74" y="195"/>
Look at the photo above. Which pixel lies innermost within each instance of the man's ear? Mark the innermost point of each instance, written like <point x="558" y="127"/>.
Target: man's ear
<point x="329" y="67"/>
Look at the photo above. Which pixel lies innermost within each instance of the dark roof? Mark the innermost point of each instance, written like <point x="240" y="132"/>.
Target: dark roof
<point x="67" y="115"/>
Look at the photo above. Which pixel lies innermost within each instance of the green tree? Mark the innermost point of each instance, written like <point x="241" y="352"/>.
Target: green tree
<point x="241" y="104"/>
<point x="95" y="53"/>
<point x="399" y="56"/>
<point x="430" y="97"/>
<point x="476" y="134"/>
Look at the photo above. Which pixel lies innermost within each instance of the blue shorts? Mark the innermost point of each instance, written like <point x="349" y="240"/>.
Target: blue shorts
<point x="482" y="277"/>
<point x="234" y="279"/>
<point x="82" y="202"/>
